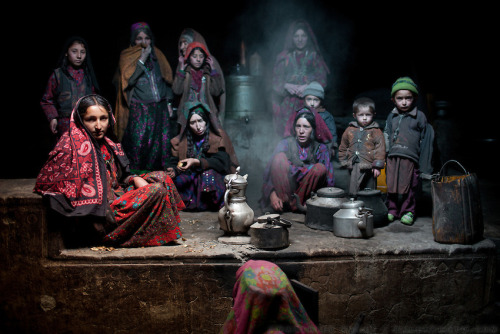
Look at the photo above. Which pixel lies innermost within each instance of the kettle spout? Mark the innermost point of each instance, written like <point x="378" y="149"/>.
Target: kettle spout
<point x="300" y="207"/>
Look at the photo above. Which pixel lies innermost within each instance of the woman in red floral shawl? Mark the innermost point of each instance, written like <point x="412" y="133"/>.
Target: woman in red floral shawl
<point x="265" y="302"/>
<point x="87" y="174"/>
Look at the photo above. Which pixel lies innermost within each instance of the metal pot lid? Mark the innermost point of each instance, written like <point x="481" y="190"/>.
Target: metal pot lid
<point x="235" y="179"/>
<point x="330" y="192"/>
<point x="263" y="218"/>
<point x="369" y="192"/>
<point x="352" y="204"/>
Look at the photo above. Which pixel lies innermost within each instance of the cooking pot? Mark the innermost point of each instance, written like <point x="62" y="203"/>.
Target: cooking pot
<point x="373" y="200"/>
<point x="270" y="232"/>
<point x="321" y="207"/>
<point x="353" y="220"/>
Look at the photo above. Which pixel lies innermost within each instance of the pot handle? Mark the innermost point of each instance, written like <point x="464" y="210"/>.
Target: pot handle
<point x="227" y="216"/>
<point x="363" y="222"/>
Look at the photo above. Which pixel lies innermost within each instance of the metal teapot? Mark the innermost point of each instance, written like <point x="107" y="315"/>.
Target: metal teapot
<point x="270" y="232"/>
<point x="353" y="220"/>
<point x="236" y="216"/>
<point x="322" y="206"/>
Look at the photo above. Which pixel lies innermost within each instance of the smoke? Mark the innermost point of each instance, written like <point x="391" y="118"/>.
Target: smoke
<point x="262" y="26"/>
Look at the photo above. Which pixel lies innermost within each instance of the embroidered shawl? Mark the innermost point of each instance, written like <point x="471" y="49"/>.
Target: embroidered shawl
<point x="74" y="177"/>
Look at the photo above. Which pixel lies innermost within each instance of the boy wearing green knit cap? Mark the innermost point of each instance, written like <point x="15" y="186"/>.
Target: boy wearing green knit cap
<point x="404" y="131"/>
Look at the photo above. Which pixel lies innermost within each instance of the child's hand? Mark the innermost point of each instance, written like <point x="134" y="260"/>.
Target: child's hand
<point x="210" y="62"/>
<point x="376" y="172"/>
<point x="53" y="125"/>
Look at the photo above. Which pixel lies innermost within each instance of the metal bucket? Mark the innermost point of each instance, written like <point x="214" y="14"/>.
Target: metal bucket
<point x="244" y="99"/>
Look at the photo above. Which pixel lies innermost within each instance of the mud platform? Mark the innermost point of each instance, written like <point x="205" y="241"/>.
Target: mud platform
<point x="398" y="281"/>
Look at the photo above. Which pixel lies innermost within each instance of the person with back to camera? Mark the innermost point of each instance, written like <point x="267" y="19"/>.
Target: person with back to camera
<point x="299" y="63"/>
<point x="143" y="104"/>
<point x="362" y="147"/>
<point x="73" y="78"/>
<point x="200" y="162"/>
<point x="404" y="132"/>
<point x="87" y="175"/>
<point x="300" y="165"/>
<point x="264" y="301"/>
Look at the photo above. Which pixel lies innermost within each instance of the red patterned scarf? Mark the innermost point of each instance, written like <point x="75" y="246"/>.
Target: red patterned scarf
<point x="74" y="177"/>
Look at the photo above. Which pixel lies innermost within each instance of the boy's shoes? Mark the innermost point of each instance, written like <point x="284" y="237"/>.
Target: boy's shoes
<point x="407" y="218"/>
<point x="390" y="217"/>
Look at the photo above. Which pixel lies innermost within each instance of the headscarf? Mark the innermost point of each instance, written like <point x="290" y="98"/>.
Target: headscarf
<point x="265" y="302"/>
<point x="312" y="44"/>
<point x="137" y="28"/>
<point x="74" y="177"/>
<point x="322" y="133"/>
<point x="194" y="45"/>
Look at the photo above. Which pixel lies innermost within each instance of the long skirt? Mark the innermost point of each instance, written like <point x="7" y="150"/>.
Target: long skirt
<point x="201" y="191"/>
<point x="288" y="180"/>
<point x="147" y="216"/>
<point x="146" y="140"/>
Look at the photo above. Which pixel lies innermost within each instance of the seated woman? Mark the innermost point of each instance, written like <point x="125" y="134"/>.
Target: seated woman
<point x="300" y="165"/>
<point x="265" y="302"/>
<point x="200" y="162"/>
<point x="87" y="174"/>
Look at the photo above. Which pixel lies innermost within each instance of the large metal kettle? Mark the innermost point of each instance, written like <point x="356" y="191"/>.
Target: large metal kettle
<point x="322" y="206"/>
<point x="353" y="220"/>
<point x="236" y="216"/>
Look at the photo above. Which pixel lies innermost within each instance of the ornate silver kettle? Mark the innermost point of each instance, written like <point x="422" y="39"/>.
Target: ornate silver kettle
<point x="236" y="216"/>
<point x="353" y="220"/>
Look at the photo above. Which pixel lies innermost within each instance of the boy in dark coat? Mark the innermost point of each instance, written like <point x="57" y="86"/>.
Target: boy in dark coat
<point x="404" y="132"/>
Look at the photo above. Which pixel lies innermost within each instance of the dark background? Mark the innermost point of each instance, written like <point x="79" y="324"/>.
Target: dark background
<point x="447" y="50"/>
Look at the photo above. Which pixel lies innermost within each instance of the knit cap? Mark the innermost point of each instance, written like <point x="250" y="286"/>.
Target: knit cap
<point x="315" y="89"/>
<point x="404" y="83"/>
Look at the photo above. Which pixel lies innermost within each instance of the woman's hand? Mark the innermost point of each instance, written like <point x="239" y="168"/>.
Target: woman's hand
<point x="291" y="88"/>
<point x="140" y="182"/>
<point x="185" y="164"/>
<point x="171" y="172"/>
<point x="145" y="52"/>
<point x="376" y="172"/>
<point x="182" y="65"/>
<point x="53" y="125"/>
<point x="276" y="202"/>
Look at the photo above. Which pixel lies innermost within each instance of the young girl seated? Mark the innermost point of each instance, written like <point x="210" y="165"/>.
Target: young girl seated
<point x="87" y="174"/>
<point x="300" y="165"/>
